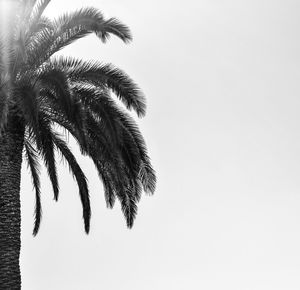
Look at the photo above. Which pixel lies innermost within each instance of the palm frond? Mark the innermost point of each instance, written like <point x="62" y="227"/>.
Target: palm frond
<point x="33" y="164"/>
<point x="99" y="74"/>
<point x="46" y="149"/>
<point x="115" y="27"/>
<point x="72" y="26"/>
<point x="90" y="19"/>
<point x="79" y="176"/>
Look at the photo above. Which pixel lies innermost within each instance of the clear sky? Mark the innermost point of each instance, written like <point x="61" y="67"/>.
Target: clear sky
<point x="223" y="131"/>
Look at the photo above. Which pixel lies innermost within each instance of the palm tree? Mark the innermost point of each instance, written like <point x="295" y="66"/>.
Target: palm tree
<point x="40" y="94"/>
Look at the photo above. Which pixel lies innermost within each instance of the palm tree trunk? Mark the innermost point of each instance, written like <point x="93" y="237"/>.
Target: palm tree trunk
<point x="11" y="145"/>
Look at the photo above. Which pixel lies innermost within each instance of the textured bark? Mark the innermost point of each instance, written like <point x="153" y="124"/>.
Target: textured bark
<point x="11" y="145"/>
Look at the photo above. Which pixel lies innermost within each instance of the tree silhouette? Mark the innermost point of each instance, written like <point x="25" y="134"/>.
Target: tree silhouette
<point x="41" y="93"/>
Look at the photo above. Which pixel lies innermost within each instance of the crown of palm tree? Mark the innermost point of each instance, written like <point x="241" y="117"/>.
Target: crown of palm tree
<point x="49" y="92"/>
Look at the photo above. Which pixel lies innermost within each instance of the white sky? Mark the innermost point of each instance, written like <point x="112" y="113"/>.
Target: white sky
<point x="223" y="131"/>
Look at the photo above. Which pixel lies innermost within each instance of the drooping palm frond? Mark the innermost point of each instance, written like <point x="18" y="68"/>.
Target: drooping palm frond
<point x="98" y="74"/>
<point x="46" y="149"/>
<point x="90" y="19"/>
<point x="79" y="176"/>
<point x="33" y="164"/>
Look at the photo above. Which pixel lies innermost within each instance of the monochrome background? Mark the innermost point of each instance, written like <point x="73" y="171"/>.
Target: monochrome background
<point x="223" y="131"/>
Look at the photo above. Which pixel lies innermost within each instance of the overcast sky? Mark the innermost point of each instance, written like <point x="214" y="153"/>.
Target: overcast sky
<point x="223" y="131"/>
